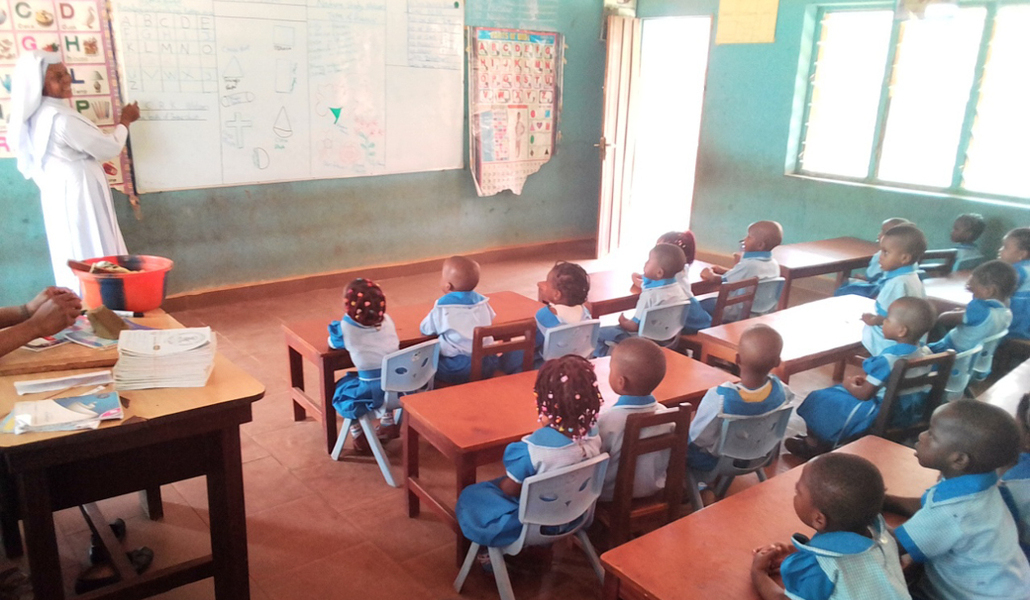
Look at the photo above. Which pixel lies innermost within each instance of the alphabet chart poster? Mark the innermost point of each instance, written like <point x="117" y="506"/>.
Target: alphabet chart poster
<point x="77" y="29"/>
<point x="515" y="98"/>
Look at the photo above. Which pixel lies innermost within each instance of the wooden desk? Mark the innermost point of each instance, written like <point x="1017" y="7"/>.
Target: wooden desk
<point x="808" y="259"/>
<point x="949" y="292"/>
<point x="1007" y="391"/>
<point x="168" y="435"/>
<point x="310" y="340"/>
<point x="613" y="291"/>
<point x="817" y="333"/>
<point x="707" y="554"/>
<point x="471" y="424"/>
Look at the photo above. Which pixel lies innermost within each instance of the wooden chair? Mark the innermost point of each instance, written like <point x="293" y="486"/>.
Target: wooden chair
<point x="901" y="382"/>
<point x="739" y="293"/>
<point x="941" y="262"/>
<point x="498" y="339"/>
<point x="625" y="514"/>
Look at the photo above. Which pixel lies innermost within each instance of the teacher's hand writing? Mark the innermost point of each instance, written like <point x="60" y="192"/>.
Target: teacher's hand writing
<point x="130" y="112"/>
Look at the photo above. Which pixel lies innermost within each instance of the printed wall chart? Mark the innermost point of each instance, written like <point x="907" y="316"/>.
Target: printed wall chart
<point x="515" y="98"/>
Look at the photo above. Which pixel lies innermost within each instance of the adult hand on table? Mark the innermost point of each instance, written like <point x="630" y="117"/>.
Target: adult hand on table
<point x="55" y="314"/>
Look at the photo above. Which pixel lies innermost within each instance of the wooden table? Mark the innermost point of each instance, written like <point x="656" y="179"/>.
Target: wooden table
<point x="707" y="554"/>
<point x="168" y="435"/>
<point x="1007" y="391"/>
<point x="613" y="291"/>
<point x="808" y="259"/>
<point x="814" y="334"/>
<point x="949" y="292"/>
<point x="310" y="340"/>
<point x="471" y="424"/>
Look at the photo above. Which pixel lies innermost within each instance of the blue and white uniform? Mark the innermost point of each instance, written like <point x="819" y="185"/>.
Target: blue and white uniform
<point x="901" y="282"/>
<point x="833" y="414"/>
<point x="454" y="318"/>
<point x="653" y="292"/>
<point x="842" y="565"/>
<point x="967" y="258"/>
<point x="490" y="517"/>
<point x="1015" y="488"/>
<point x="729" y="399"/>
<point x="554" y="315"/>
<point x="982" y="319"/>
<point x="611" y="423"/>
<point x="868" y="288"/>
<point x="751" y="264"/>
<point x="966" y="537"/>
<point x="1020" y="303"/>
<point x="362" y="391"/>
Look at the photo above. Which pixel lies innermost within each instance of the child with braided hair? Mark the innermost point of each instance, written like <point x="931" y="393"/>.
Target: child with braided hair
<point x="565" y="293"/>
<point x="567" y="400"/>
<point x="368" y="334"/>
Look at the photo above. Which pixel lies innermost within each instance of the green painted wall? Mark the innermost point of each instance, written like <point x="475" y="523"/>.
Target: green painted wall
<point x="236" y="235"/>
<point x="745" y="133"/>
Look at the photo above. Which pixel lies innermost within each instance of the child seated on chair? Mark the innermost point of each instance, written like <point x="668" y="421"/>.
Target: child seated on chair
<point x="567" y="400"/>
<point x="659" y="288"/>
<point x="758" y="393"/>
<point x="987" y="314"/>
<point x="900" y="250"/>
<point x="1016" y="481"/>
<point x="454" y="318"/>
<point x="685" y="240"/>
<point x="964" y="232"/>
<point x="873" y="273"/>
<point x="756" y="261"/>
<point x="961" y="529"/>
<point x="637" y="367"/>
<point x="852" y="554"/>
<point x="565" y="293"/>
<point x="839" y="413"/>
<point x="368" y="334"/>
<point x="1015" y="250"/>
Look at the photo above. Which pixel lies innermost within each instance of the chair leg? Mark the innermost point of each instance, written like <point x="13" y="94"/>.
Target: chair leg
<point x="761" y="474"/>
<point x="591" y="553"/>
<point x="466" y="567"/>
<point x="723" y="486"/>
<point x="695" y="494"/>
<point x="501" y="574"/>
<point x="377" y="449"/>
<point x="340" y="439"/>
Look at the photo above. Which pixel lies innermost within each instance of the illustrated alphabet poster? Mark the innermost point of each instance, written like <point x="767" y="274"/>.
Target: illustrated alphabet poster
<point x="77" y="29"/>
<point x="515" y="98"/>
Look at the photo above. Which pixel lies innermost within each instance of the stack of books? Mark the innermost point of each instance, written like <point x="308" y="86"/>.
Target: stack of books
<point x="164" y="358"/>
<point x="62" y="414"/>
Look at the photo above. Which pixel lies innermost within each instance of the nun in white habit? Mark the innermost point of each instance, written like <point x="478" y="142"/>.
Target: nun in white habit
<point x="62" y="152"/>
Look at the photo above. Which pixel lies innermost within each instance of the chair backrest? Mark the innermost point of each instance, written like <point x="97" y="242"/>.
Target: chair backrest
<point x="412" y="368"/>
<point x="909" y="376"/>
<point x="737" y="294"/>
<point x="497" y="339"/>
<point x="984" y="360"/>
<point x="662" y="323"/>
<point x="559" y="497"/>
<point x="768" y="294"/>
<point x="571" y="338"/>
<point x="666" y="431"/>
<point x="961" y="373"/>
<point x="746" y="438"/>
<point x="938" y="263"/>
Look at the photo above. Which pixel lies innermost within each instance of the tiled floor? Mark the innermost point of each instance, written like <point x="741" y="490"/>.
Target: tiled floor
<point x="320" y="529"/>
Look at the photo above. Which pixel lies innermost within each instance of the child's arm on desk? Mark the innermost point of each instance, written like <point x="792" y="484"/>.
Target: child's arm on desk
<point x="859" y="387"/>
<point x="713" y="274"/>
<point x="766" y="560"/>
<point x="952" y="318"/>
<point x="628" y="324"/>
<point x="872" y="320"/>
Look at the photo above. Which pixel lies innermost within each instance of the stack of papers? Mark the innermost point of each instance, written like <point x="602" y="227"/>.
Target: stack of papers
<point x="62" y="414"/>
<point x="164" y="358"/>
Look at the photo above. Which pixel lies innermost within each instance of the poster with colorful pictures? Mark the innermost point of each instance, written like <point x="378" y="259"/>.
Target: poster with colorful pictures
<point x="515" y="99"/>
<point x="78" y="30"/>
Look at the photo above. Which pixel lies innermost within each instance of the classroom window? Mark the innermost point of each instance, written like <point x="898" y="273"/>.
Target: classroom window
<point x="937" y="104"/>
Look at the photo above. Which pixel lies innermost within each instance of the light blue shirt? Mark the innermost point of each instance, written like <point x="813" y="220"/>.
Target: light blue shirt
<point x="649" y="476"/>
<point x="901" y="282"/>
<point x="763" y="266"/>
<point x="659" y="292"/>
<point x="367" y="345"/>
<point x="454" y="318"/>
<point x="1016" y="491"/>
<point x="547" y="449"/>
<point x="982" y="319"/>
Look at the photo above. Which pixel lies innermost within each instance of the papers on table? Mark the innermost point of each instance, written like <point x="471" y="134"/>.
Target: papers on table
<point x="62" y="383"/>
<point x="62" y="414"/>
<point x="161" y="358"/>
<point x="79" y="332"/>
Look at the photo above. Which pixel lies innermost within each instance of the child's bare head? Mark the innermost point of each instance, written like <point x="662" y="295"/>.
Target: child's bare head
<point x="460" y="274"/>
<point x="907" y="241"/>
<point x="637" y="367"/>
<point x="968" y="437"/>
<point x="909" y="319"/>
<point x="759" y="349"/>
<point x="664" y="261"/>
<point x="1015" y="246"/>
<point x="567" y="283"/>
<point x="967" y="228"/>
<point x="994" y="279"/>
<point x="684" y="239"/>
<point x="763" y="236"/>
<point x="892" y="222"/>
<point x="839" y="492"/>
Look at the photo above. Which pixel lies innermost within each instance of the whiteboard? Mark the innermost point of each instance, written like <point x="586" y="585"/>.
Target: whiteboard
<point x="239" y="91"/>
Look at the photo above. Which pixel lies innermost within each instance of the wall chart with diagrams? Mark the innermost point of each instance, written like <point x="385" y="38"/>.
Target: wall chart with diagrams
<point x="237" y="91"/>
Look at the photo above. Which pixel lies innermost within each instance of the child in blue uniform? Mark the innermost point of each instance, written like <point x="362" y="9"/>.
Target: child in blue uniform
<point x="961" y="528"/>
<point x="987" y="314"/>
<point x="368" y="334"/>
<point x="844" y="411"/>
<point x="686" y="242"/>
<point x="1015" y="483"/>
<point x="756" y="261"/>
<point x="567" y="400"/>
<point x="1015" y="250"/>
<point x="964" y="232"/>
<point x="873" y="273"/>
<point x="454" y="318"/>
<point x="637" y="367"/>
<point x="758" y="393"/>
<point x="565" y="293"/>
<point x="900" y="250"/>
<point x="852" y="556"/>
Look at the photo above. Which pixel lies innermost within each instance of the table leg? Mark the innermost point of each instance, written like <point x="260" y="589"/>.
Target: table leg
<point x="785" y="294"/>
<point x="41" y="538"/>
<point x="9" y="517"/>
<point x="466" y="476"/>
<point x="326" y="389"/>
<point x="610" y="591"/>
<point x="297" y="381"/>
<point x="410" y="465"/>
<point x="228" y="515"/>
<point x="150" y="500"/>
